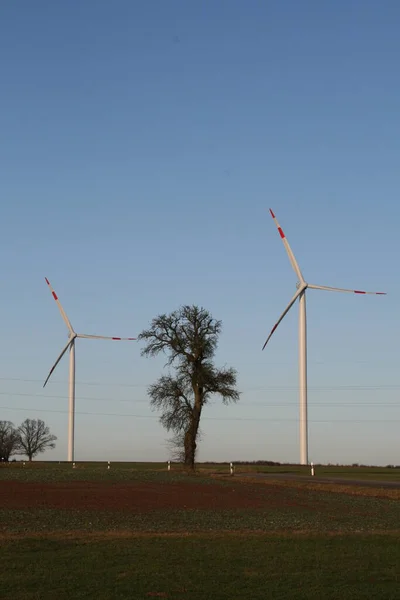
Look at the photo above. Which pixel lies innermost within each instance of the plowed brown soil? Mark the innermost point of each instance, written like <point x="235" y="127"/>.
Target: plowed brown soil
<point x="138" y="496"/>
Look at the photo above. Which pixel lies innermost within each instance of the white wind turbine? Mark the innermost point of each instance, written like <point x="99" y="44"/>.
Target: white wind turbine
<point x="302" y="285"/>
<point x="72" y="335"/>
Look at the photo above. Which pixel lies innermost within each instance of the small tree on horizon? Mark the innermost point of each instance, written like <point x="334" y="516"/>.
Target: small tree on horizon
<point x="9" y="440"/>
<point x="189" y="337"/>
<point x="35" y="438"/>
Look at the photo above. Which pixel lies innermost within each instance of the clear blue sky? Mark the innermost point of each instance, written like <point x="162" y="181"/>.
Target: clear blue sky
<point x="142" y="144"/>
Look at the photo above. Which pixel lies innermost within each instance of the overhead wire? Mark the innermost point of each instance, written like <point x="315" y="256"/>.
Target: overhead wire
<point x="347" y="387"/>
<point x="271" y="404"/>
<point x="275" y="404"/>
<point x="96" y="414"/>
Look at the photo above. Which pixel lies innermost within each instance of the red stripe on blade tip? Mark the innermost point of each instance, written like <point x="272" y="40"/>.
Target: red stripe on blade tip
<point x="281" y="233"/>
<point x="272" y="214"/>
<point x="47" y="281"/>
<point x="116" y="338"/>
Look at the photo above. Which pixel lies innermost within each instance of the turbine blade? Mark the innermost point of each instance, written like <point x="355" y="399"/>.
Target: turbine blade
<point x="289" y="251"/>
<point x="333" y="289"/>
<point x="289" y="306"/>
<point x="62" y="311"/>
<point x="104" y="337"/>
<point x="70" y="342"/>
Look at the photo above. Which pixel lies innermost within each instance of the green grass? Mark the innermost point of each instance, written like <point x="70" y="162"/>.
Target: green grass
<point x="202" y="568"/>
<point x="372" y="473"/>
<point x="59" y="473"/>
<point x="97" y="470"/>
<point x="351" y="517"/>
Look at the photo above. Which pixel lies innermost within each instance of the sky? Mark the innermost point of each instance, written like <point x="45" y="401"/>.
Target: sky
<point x="142" y="144"/>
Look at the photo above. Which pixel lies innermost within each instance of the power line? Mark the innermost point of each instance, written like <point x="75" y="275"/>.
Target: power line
<point x="204" y="418"/>
<point x="94" y="383"/>
<point x="348" y="387"/>
<point x="275" y="404"/>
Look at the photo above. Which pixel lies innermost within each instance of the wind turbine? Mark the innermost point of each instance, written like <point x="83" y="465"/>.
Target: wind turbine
<point x="72" y="335"/>
<point x="302" y="286"/>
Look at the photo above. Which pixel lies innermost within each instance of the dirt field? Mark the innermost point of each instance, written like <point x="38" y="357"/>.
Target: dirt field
<point x="141" y="496"/>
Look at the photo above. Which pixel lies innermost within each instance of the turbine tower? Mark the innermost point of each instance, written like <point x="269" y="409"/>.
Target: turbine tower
<point x="72" y="335"/>
<point x="302" y="286"/>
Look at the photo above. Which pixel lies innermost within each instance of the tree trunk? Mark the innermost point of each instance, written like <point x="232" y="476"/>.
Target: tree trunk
<point x="190" y="439"/>
<point x="190" y="447"/>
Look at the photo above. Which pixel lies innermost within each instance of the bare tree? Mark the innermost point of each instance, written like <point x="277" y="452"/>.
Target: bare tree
<point x="35" y="437"/>
<point x="9" y="440"/>
<point x="189" y="337"/>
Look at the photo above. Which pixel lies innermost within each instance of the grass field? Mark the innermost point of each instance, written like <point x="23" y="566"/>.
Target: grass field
<point x="361" y="472"/>
<point x="139" y="531"/>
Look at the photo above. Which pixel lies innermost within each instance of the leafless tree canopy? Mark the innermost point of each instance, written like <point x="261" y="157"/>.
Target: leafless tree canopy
<point x="35" y="437"/>
<point x="189" y="338"/>
<point x="9" y="440"/>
